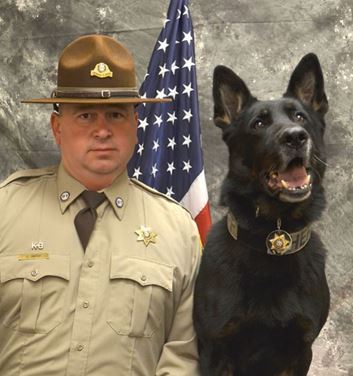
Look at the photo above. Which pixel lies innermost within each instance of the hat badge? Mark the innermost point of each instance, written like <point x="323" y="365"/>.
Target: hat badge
<point x="101" y="70"/>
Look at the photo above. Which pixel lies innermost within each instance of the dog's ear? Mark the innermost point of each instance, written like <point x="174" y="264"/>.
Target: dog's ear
<point x="307" y="84"/>
<point x="230" y="94"/>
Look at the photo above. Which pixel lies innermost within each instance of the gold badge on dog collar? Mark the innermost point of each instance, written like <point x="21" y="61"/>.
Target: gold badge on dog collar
<point x="145" y="235"/>
<point x="101" y="70"/>
<point x="278" y="242"/>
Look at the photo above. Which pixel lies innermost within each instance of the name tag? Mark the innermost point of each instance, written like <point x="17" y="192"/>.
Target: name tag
<point x="33" y="256"/>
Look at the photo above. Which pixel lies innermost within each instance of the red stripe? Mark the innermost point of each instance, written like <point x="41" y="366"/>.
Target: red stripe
<point x="203" y="221"/>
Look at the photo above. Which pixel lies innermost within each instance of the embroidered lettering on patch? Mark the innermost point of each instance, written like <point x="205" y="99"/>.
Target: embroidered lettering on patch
<point x="33" y="256"/>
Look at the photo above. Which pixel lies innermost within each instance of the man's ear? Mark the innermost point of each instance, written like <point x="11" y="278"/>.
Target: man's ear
<point x="55" y="127"/>
<point x="307" y="84"/>
<point x="230" y="96"/>
<point x="135" y="125"/>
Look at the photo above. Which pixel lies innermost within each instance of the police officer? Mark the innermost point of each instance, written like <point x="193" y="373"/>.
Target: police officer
<point x="96" y="270"/>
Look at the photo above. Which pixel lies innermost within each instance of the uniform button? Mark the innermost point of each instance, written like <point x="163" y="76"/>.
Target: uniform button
<point x="79" y="347"/>
<point x="143" y="278"/>
<point x="85" y="304"/>
<point x="90" y="264"/>
<point x="34" y="273"/>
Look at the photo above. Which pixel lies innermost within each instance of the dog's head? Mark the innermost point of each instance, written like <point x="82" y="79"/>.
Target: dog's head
<point x="276" y="147"/>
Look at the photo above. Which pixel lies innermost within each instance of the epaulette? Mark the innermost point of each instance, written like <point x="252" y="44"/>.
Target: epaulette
<point x="28" y="174"/>
<point x="152" y="190"/>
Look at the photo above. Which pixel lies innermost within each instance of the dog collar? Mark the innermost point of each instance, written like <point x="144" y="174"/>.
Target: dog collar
<point x="277" y="242"/>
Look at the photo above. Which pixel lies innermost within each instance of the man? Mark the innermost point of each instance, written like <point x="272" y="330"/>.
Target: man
<point x="98" y="283"/>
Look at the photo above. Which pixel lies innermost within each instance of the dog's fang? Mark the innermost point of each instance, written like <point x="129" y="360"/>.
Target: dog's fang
<point x="284" y="184"/>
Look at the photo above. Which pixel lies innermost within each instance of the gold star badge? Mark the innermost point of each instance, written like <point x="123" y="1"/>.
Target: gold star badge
<point x="146" y="235"/>
<point x="279" y="243"/>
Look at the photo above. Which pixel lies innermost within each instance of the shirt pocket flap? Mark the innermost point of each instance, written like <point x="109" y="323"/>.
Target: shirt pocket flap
<point x="12" y="268"/>
<point x="145" y="272"/>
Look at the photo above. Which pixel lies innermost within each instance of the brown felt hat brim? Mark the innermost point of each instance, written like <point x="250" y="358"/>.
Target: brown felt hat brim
<point x="111" y="100"/>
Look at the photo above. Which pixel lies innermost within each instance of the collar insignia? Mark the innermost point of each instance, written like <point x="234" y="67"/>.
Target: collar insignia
<point x="101" y="70"/>
<point x="146" y="235"/>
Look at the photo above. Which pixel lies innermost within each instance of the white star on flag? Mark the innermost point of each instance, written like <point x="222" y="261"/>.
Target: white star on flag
<point x="154" y="170"/>
<point x="140" y="149"/>
<point x="170" y="168"/>
<point x="163" y="70"/>
<point x="155" y="145"/>
<point x="163" y="45"/>
<point x="158" y="121"/>
<point x="165" y="22"/>
<point x="187" y="166"/>
<point x="174" y="67"/>
<point x="173" y="92"/>
<point x="172" y="117"/>
<point x="188" y="115"/>
<point x="187" y="141"/>
<point x="187" y="37"/>
<point x="171" y="143"/>
<point x="143" y="124"/>
<point x="170" y="191"/>
<point x="188" y="89"/>
<point x="161" y="94"/>
<point x="186" y="11"/>
<point x="137" y="173"/>
<point x="188" y="63"/>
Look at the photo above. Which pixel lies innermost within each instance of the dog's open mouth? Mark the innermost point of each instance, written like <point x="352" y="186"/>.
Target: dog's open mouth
<point x="292" y="184"/>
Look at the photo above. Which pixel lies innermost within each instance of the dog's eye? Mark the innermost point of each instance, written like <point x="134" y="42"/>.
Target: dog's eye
<point x="299" y="117"/>
<point x="258" y="124"/>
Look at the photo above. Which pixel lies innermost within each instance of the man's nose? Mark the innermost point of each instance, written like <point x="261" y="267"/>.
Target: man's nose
<point x="103" y="128"/>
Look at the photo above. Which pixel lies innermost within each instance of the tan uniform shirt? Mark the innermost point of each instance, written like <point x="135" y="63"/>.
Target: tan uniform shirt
<point x="121" y="307"/>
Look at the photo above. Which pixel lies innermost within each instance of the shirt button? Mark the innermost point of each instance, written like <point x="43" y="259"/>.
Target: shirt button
<point x="34" y="273"/>
<point x="143" y="278"/>
<point x="79" y="347"/>
<point x="85" y="304"/>
<point x="90" y="264"/>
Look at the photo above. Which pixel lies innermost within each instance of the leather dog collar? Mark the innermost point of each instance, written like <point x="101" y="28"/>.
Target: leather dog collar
<point x="277" y="242"/>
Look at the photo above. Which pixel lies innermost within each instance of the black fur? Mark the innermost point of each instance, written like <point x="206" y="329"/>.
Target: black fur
<point x="257" y="314"/>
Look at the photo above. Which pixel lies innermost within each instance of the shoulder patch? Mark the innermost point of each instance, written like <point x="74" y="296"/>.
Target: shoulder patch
<point x="28" y="174"/>
<point x="154" y="191"/>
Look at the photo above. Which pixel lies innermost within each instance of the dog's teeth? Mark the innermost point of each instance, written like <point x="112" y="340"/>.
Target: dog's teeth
<point x="284" y="184"/>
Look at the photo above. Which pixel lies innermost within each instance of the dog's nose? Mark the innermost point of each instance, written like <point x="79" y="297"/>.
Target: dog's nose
<point x="295" y="137"/>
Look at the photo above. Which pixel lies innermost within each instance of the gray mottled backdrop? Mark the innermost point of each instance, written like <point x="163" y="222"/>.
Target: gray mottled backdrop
<point x="262" y="40"/>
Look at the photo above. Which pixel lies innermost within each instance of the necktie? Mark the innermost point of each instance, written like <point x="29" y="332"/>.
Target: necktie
<point x="86" y="217"/>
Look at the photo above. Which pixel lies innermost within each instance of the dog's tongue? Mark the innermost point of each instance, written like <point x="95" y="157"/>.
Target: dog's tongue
<point x="294" y="176"/>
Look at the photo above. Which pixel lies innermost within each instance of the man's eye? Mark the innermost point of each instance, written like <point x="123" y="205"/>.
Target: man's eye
<point x="116" y="115"/>
<point x="85" y="116"/>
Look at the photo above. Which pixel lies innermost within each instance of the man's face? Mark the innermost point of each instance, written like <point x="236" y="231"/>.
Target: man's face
<point x="96" y="141"/>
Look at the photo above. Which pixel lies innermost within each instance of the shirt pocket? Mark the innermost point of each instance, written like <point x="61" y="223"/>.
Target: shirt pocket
<point x="33" y="292"/>
<point x="140" y="296"/>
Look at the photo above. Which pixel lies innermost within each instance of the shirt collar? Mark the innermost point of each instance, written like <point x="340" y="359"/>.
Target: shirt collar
<point x="69" y="189"/>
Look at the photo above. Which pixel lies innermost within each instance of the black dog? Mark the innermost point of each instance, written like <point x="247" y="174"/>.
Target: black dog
<point x="261" y="296"/>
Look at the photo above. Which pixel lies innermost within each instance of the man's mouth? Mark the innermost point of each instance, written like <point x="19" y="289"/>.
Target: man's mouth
<point x="292" y="184"/>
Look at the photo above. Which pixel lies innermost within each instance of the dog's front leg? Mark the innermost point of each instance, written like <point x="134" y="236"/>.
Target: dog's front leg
<point x="213" y="360"/>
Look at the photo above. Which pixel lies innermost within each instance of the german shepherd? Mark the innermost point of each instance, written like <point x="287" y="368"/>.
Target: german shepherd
<point x="261" y="296"/>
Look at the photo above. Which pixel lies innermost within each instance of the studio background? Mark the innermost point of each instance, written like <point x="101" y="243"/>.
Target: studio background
<point x="261" y="40"/>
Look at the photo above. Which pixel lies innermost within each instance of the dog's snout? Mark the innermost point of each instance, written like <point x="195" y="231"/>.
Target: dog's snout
<point x="295" y="137"/>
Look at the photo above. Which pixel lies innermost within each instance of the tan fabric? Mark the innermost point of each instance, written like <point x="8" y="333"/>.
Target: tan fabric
<point x="120" y="308"/>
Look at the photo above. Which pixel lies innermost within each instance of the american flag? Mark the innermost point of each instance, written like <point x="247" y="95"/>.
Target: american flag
<point x="168" y="156"/>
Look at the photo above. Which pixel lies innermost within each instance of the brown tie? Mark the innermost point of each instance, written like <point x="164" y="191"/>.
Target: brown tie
<point x="86" y="217"/>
